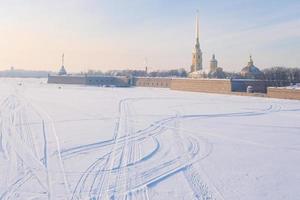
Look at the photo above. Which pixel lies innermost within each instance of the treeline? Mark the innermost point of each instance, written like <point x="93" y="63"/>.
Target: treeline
<point x="284" y="74"/>
<point x="24" y="73"/>
<point x="142" y="73"/>
<point x="291" y="75"/>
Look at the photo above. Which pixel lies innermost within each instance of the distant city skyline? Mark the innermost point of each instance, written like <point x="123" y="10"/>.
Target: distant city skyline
<point x="105" y="34"/>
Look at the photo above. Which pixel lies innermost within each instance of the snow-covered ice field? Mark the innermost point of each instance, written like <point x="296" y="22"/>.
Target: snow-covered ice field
<point x="80" y="142"/>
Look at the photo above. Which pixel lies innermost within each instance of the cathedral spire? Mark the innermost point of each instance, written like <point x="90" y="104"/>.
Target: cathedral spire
<point x="197" y="26"/>
<point x="197" y="53"/>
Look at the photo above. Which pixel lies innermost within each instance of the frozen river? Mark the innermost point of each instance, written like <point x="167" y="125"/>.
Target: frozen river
<point x="80" y="142"/>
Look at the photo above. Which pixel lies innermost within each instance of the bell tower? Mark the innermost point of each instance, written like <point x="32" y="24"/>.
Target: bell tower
<point x="213" y="64"/>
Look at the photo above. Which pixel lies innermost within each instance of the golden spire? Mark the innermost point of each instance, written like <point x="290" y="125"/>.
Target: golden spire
<point x="197" y="25"/>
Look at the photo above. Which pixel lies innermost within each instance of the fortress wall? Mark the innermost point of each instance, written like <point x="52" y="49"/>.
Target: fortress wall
<point x="91" y="80"/>
<point x="202" y="85"/>
<point x="222" y="86"/>
<point x="152" y="82"/>
<point x="283" y="93"/>
<point x="240" y="85"/>
<point x="67" y="79"/>
<point x="119" y="81"/>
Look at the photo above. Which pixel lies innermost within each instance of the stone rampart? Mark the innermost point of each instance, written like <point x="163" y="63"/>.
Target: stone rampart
<point x="80" y="80"/>
<point x="222" y="86"/>
<point x="152" y="82"/>
<point x="117" y="81"/>
<point x="283" y="93"/>
<point x="202" y="85"/>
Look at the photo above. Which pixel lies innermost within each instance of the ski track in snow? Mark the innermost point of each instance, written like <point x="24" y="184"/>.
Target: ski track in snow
<point x="126" y="171"/>
<point x="21" y="144"/>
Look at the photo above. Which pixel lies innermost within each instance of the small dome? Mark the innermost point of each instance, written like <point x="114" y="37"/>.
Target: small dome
<point x="251" y="69"/>
<point x="218" y="73"/>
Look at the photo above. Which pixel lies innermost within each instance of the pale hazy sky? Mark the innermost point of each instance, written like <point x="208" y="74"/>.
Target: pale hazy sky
<point x="111" y="34"/>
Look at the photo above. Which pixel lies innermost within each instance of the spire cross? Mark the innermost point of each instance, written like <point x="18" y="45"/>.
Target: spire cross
<point x="251" y="60"/>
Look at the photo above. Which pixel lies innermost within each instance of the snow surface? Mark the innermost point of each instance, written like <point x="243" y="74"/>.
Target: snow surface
<point x="80" y="142"/>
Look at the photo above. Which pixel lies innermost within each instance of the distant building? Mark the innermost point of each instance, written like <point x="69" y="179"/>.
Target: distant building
<point x="251" y="71"/>
<point x="62" y="70"/>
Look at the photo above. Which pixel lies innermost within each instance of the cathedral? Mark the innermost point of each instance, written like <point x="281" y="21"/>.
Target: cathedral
<point x="197" y="70"/>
